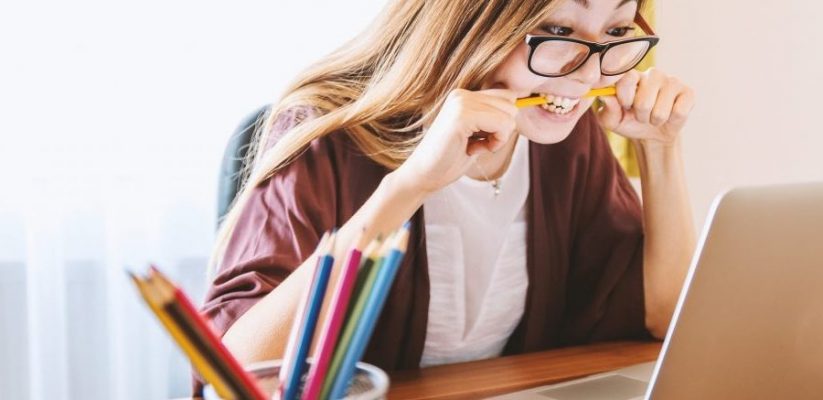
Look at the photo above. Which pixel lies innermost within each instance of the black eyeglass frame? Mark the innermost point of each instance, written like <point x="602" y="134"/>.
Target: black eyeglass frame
<point x="533" y="41"/>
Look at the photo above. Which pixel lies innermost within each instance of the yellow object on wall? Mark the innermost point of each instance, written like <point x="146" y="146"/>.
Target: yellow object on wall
<point x="622" y="148"/>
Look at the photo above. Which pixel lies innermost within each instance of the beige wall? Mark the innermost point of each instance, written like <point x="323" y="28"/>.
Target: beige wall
<point x="755" y="67"/>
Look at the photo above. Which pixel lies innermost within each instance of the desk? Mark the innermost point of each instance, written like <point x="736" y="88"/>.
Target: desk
<point x="500" y="375"/>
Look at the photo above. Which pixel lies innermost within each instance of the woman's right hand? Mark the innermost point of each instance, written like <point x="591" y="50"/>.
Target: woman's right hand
<point x="446" y="151"/>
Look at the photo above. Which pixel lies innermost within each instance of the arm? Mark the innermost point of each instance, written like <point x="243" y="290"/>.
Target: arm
<point x="441" y="157"/>
<point x="651" y="109"/>
<point x="262" y="332"/>
<point x="669" y="230"/>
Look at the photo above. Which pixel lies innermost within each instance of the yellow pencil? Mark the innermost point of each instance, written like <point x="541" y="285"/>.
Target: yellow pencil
<point x="539" y="100"/>
<point x="197" y="359"/>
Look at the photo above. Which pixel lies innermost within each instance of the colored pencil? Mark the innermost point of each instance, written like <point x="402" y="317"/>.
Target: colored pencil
<point x="372" y="255"/>
<point x="304" y="326"/>
<point x="205" y="367"/>
<point x="351" y="311"/>
<point x="287" y="362"/>
<point x="195" y="337"/>
<point x="374" y="305"/>
<point x="181" y="309"/>
<point x="368" y="274"/>
<point x="333" y="322"/>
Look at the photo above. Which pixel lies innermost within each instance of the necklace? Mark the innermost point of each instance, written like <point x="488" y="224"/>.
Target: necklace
<point x="494" y="182"/>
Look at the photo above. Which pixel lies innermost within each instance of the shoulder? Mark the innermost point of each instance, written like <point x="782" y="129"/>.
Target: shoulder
<point x="335" y="147"/>
<point x="324" y="174"/>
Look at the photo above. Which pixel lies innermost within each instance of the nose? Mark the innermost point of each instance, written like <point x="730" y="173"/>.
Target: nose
<point x="589" y="72"/>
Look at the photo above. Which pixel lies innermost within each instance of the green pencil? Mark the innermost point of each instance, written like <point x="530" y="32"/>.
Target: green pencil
<point x="370" y="274"/>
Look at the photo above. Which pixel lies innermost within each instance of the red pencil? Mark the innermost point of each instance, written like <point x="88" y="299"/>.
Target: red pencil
<point x="180" y="307"/>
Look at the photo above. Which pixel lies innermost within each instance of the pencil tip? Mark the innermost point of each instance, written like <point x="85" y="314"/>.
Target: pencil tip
<point x="402" y="238"/>
<point x="360" y="241"/>
<point x="332" y="241"/>
<point x="132" y="275"/>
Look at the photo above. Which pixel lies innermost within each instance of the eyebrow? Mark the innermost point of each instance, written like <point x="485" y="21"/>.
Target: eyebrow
<point x="585" y="3"/>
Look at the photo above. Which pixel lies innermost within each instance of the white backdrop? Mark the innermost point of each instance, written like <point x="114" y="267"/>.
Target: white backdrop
<point x="756" y="69"/>
<point x="113" y="118"/>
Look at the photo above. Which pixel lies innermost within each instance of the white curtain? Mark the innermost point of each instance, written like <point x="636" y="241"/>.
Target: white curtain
<point x="113" y="118"/>
<point x="72" y="324"/>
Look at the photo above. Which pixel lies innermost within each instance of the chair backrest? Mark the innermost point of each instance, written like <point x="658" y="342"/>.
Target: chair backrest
<point x="234" y="160"/>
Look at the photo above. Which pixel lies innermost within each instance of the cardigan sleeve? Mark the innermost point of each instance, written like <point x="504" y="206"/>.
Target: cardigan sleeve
<point x="278" y="228"/>
<point x="606" y="299"/>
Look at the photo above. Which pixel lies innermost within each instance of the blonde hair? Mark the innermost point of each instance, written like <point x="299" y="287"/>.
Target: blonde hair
<point x="383" y="86"/>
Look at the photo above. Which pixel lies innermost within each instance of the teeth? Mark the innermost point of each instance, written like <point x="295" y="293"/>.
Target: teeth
<point x="559" y="105"/>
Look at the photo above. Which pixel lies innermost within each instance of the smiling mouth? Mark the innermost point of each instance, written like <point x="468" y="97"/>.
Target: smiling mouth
<point x="558" y="104"/>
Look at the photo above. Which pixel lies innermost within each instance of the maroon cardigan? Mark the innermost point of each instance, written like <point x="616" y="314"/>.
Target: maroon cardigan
<point x="585" y="245"/>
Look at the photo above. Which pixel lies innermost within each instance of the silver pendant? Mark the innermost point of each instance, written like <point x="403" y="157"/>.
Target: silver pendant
<point x="496" y="186"/>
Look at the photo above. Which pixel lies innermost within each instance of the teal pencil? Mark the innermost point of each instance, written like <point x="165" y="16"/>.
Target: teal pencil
<point x="353" y="317"/>
<point x="302" y="332"/>
<point x="370" y="313"/>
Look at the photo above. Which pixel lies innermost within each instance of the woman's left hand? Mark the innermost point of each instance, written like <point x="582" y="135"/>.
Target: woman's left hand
<point x="649" y="106"/>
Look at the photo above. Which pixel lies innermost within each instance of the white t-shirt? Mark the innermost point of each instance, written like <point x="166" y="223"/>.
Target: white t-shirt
<point x="476" y="245"/>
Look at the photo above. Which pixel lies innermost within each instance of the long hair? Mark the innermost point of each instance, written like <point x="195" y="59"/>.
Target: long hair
<point x="386" y="84"/>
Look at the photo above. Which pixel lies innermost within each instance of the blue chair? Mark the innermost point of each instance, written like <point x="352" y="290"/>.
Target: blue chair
<point x="234" y="161"/>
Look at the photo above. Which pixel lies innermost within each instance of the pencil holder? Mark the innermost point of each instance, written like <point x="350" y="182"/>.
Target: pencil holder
<point x="369" y="382"/>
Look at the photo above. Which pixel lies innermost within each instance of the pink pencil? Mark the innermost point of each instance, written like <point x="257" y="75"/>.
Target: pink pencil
<point x="331" y="328"/>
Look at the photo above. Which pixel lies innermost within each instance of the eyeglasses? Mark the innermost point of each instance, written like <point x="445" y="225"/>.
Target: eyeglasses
<point x="553" y="57"/>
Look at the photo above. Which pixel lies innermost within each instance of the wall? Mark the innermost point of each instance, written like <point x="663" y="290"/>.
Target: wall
<point x="755" y="67"/>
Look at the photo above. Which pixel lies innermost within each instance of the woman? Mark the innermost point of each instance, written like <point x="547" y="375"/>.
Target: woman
<point x="526" y="235"/>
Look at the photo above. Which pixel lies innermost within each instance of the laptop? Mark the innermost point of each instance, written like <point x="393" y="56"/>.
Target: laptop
<point x="749" y="321"/>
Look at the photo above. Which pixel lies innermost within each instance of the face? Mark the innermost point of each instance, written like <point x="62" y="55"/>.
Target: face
<point x="592" y="20"/>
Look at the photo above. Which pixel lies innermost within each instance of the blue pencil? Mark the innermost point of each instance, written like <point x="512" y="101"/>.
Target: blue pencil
<point x="374" y="305"/>
<point x="302" y="332"/>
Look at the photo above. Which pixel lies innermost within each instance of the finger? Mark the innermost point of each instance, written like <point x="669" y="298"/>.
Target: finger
<point x="474" y="105"/>
<point x="662" y="109"/>
<point x="483" y="142"/>
<point x="646" y="96"/>
<point x="506" y="104"/>
<point x="505" y="94"/>
<point x="508" y="108"/>
<point x="475" y="149"/>
<point x="490" y="143"/>
<point x="611" y="114"/>
<point x="488" y="118"/>
<point x="627" y="88"/>
<point x="683" y="105"/>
